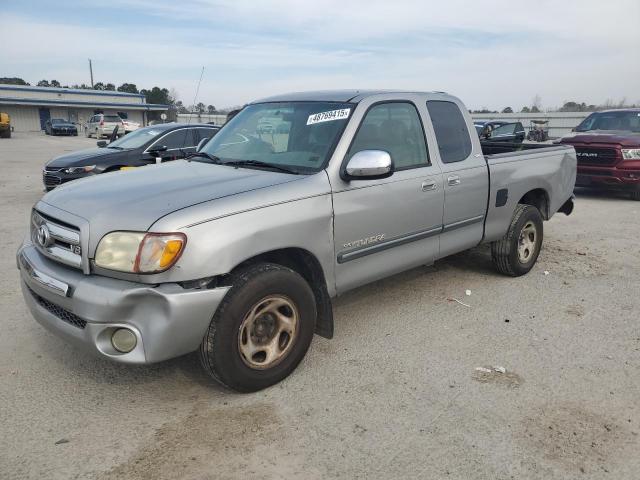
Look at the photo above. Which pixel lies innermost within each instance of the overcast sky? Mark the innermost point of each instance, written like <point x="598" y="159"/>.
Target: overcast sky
<point x="489" y="53"/>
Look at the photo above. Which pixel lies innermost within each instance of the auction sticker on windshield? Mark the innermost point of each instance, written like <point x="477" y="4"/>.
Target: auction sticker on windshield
<point x="329" y="116"/>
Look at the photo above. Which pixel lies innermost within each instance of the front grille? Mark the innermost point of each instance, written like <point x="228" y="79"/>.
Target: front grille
<point x="58" y="311"/>
<point x="57" y="240"/>
<point x="51" y="180"/>
<point x="596" y="156"/>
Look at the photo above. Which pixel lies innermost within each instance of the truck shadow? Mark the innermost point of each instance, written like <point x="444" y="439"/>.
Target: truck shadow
<point x="592" y="193"/>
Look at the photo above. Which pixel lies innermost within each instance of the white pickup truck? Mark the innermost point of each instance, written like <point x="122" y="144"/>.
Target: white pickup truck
<point x="237" y="251"/>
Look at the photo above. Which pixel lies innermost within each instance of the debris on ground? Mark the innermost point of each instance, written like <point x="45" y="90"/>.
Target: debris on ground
<point x="458" y="301"/>
<point x="497" y="375"/>
<point x="61" y="441"/>
<point x="546" y="272"/>
<point x="467" y="293"/>
<point x="581" y="253"/>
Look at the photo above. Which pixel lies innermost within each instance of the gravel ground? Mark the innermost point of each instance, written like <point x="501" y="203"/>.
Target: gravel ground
<point x="395" y="394"/>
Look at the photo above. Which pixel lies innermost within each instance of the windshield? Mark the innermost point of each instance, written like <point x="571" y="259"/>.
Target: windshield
<point x="296" y="135"/>
<point x="137" y="138"/>
<point x="621" y="120"/>
<point x="55" y="121"/>
<point x="112" y="118"/>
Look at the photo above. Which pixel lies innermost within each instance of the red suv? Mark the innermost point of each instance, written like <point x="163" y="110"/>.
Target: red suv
<point x="608" y="149"/>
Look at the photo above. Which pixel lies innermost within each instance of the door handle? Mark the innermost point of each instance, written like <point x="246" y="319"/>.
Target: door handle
<point x="453" y="180"/>
<point x="428" y="185"/>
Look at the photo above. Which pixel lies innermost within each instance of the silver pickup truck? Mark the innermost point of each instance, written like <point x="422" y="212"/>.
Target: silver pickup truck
<point x="237" y="251"/>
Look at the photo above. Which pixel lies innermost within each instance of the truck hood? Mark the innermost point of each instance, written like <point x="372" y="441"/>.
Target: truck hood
<point x="135" y="199"/>
<point x="81" y="157"/>
<point x="623" y="138"/>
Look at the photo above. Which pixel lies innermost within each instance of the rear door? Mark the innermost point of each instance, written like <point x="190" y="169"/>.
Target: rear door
<point x="465" y="178"/>
<point x="388" y="225"/>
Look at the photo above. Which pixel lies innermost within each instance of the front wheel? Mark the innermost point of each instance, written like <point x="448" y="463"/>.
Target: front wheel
<point x="261" y="330"/>
<point x="516" y="253"/>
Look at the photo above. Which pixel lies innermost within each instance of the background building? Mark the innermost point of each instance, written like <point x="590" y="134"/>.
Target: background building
<point x="30" y="107"/>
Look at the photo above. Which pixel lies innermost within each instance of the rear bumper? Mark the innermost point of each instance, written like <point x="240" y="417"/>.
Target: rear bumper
<point x="85" y="310"/>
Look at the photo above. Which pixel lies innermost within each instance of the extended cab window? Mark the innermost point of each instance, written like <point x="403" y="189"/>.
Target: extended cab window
<point x="396" y="129"/>
<point x="454" y="142"/>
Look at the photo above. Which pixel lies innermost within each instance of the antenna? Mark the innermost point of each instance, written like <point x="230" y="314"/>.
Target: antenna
<point x="197" y="92"/>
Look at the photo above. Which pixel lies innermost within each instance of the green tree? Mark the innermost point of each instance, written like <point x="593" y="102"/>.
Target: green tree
<point x="525" y="110"/>
<point x="98" y="86"/>
<point x="211" y="109"/>
<point x="13" y="81"/>
<point x="43" y="83"/>
<point x="128" y="88"/>
<point x="157" y="95"/>
<point x="535" y="109"/>
<point x="55" y="83"/>
<point x="507" y="110"/>
<point x="110" y="86"/>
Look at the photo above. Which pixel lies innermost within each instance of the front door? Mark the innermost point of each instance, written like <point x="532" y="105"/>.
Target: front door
<point x="45" y="115"/>
<point x="388" y="225"/>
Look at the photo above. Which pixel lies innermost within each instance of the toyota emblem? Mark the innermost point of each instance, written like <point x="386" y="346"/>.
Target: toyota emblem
<point x="43" y="236"/>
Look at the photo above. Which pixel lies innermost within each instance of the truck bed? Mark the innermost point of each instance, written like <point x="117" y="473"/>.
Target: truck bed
<point x="517" y="169"/>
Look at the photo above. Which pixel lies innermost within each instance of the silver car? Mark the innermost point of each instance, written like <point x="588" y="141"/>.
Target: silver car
<point x="237" y="251"/>
<point x="101" y="125"/>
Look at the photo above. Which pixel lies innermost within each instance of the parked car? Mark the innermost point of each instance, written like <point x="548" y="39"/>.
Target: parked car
<point x="500" y="131"/>
<point x="101" y="125"/>
<point x="5" y="125"/>
<point x="237" y="252"/>
<point x="59" y="126"/>
<point x="608" y="148"/>
<point x="129" y="126"/>
<point x="145" y="146"/>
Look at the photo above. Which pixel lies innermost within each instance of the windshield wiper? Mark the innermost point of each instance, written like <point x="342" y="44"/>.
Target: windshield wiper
<point x="206" y="155"/>
<point x="259" y="164"/>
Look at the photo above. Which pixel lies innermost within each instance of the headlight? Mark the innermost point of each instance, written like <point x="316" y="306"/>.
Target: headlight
<point x="88" y="168"/>
<point x="138" y="252"/>
<point x="631" y="153"/>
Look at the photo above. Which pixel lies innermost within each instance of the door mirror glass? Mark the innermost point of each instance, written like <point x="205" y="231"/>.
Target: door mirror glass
<point x="369" y="165"/>
<point x="101" y="143"/>
<point x="201" y="143"/>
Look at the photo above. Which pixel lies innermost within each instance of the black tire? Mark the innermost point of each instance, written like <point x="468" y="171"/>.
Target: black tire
<point x="6" y="133"/>
<point x="635" y="194"/>
<point x="220" y="349"/>
<point x="504" y="252"/>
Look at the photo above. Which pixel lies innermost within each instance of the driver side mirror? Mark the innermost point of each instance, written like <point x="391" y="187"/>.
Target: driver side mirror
<point x="158" y="149"/>
<point x="201" y="143"/>
<point x="369" y="165"/>
<point x="101" y="143"/>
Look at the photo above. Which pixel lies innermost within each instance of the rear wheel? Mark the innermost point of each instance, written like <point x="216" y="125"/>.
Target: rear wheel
<point x="635" y="194"/>
<point x="261" y="330"/>
<point x="518" y="251"/>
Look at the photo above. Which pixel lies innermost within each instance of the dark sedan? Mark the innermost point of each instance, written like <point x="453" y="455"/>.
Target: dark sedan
<point x="145" y="146"/>
<point x="58" y="126"/>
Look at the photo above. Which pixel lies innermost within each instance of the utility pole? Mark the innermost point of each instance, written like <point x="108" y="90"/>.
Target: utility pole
<point x="91" y="72"/>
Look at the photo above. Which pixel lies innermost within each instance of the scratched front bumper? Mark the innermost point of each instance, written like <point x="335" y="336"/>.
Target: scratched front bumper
<point x="168" y="320"/>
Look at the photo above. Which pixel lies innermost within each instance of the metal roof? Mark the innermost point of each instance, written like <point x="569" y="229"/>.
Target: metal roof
<point x="72" y="91"/>
<point x="74" y="103"/>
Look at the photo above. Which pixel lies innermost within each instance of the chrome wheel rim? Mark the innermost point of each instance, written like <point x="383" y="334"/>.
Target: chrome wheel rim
<point x="527" y="242"/>
<point x="268" y="332"/>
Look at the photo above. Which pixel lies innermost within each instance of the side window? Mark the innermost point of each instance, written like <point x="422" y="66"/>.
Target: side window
<point x="506" y="129"/>
<point x="395" y="128"/>
<point x="175" y="140"/>
<point x="205" y="133"/>
<point x="454" y="142"/>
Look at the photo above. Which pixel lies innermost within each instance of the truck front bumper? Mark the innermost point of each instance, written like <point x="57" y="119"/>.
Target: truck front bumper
<point x="608" y="177"/>
<point x="167" y="319"/>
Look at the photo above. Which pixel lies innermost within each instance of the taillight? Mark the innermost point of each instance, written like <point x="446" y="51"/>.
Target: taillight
<point x="101" y="123"/>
